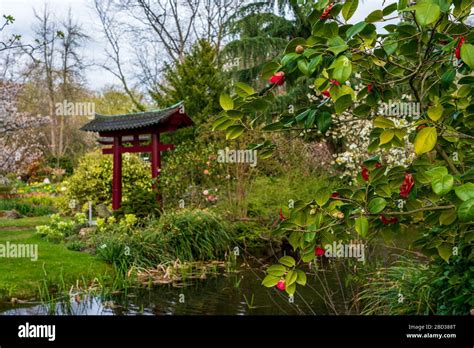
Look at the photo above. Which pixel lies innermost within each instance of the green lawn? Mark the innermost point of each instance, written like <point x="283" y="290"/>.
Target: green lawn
<point x="20" y="277"/>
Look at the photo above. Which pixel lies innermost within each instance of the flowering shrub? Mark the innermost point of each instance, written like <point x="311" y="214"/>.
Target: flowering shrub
<point x="19" y="133"/>
<point x="188" y="171"/>
<point x="431" y="182"/>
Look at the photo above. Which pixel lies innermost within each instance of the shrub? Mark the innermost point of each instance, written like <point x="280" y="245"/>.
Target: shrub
<point x="268" y="194"/>
<point x="92" y="180"/>
<point x="29" y="206"/>
<point x="189" y="170"/>
<point x="57" y="229"/>
<point x="142" y="203"/>
<point x="76" y="245"/>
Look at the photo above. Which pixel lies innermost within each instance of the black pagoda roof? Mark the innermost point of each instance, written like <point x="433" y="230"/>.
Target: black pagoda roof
<point x="105" y="123"/>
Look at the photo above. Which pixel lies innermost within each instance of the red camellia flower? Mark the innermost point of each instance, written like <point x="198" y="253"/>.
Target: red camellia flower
<point x="369" y="88"/>
<point x="390" y="221"/>
<point x="281" y="285"/>
<point x="335" y="195"/>
<point x="326" y="93"/>
<point x="326" y="11"/>
<point x="407" y="185"/>
<point x="378" y="165"/>
<point x="365" y="174"/>
<point x="318" y="251"/>
<point x="335" y="82"/>
<point x="282" y="217"/>
<point x="278" y="78"/>
<point x="458" y="47"/>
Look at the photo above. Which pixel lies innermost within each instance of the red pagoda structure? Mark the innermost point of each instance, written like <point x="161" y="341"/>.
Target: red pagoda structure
<point x="136" y="133"/>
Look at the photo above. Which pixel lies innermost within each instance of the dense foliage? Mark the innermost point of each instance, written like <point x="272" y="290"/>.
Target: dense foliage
<point x="92" y="180"/>
<point x="185" y="235"/>
<point x="427" y="55"/>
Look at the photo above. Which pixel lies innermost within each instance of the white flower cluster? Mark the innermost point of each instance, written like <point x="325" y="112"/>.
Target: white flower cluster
<point x="354" y="133"/>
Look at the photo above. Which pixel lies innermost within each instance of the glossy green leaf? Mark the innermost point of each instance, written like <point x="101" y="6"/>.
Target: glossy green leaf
<point x="226" y="101"/>
<point x="343" y="103"/>
<point x="386" y="136"/>
<point x="442" y="185"/>
<point x="276" y="270"/>
<point x="322" y="196"/>
<point x="445" y="250"/>
<point x="426" y="13"/>
<point x="377" y="205"/>
<point x="467" y="55"/>
<point x="301" y="279"/>
<point x="287" y="261"/>
<point x="466" y="211"/>
<point x="323" y="121"/>
<point x="425" y="140"/>
<point x="465" y="192"/>
<point x="382" y="122"/>
<point x="270" y="281"/>
<point x="355" y="29"/>
<point x="342" y="69"/>
<point x="447" y="217"/>
<point x="234" y="132"/>
<point x="248" y="90"/>
<point x="362" y="226"/>
<point x="290" y="277"/>
<point x="349" y="8"/>
<point x="435" y="112"/>
<point x="374" y="16"/>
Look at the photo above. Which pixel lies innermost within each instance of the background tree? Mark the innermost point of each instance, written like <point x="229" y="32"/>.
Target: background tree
<point x="196" y="80"/>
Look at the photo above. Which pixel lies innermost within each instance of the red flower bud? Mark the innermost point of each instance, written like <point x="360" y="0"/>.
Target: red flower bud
<point x="318" y="251"/>
<point x="282" y="217"/>
<point x="326" y="11"/>
<point x="369" y="88"/>
<point x="390" y="221"/>
<point x="365" y="174"/>
<point x="458" y="47"/>
<point x="281" y="285"/>
<point x="335" y="195"/>
<point x="335" y="82"/>
<point x="326" y="93"/>
<point x="378" y="165"/>
<point x="278" y="78"/>
<point x="407" y="185"/>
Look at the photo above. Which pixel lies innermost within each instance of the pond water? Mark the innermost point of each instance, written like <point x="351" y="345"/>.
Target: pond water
<point x="236" y="293"/>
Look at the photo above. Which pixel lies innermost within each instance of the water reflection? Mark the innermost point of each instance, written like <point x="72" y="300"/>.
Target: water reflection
<point x="239" y="293"/>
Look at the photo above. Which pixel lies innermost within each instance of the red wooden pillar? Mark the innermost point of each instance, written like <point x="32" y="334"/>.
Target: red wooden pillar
<point x="155" y="160"/>
<point x="117" y="174"/>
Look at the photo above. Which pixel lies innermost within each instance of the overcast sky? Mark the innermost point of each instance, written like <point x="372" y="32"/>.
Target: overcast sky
<point x="84" y="13"/>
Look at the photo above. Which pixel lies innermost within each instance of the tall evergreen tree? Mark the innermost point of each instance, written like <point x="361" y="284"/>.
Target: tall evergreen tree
<point x="197" y="81"/>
